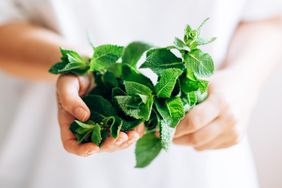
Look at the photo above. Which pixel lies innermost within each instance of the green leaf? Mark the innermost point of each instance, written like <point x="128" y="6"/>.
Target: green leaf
<point x="99" y="105"/>
<point x="66" y="53"/>
<point x="55" y="69"/>
<point x="84" y="125"/>
<point x="130" y="105"/>
<point x="128" y="125"/>
<point x="171" y="110"/>
<point x="201" y="63"/>
<point x="108" y="121"/>
<point x="180" y="45"/>
<point x="133" y="106"/>
<point x="192" y="98"/>
<point x="117" y="91"/>
<point x="161" y="59"/>
<point x="201" y="41"/>
<point x="201" y="96"/>
<point x="177" y="89"/>
<point x="203" y="85"/>
<point x="134" y="88"/>
<point x="109" y="80"/>
<point x="76" y="59"/>
<point x="71" y="62"/>
<point x="81" y="138"/>
<point x="154" y="121"/>
<point x="131" y="74"/>
<point x="116" y="127"/>
<point x="104" y="56"/>
<point x="202" y="24"/>
<point x="188" y="85"/>
<point x="167" y="82"/>
<point x="74" y="66"/>
<point x="144" y="98"/>
<point x="82" y="130"/>
<point x="190" y="75"/>
<point x="96" y="137"/>
<point x="133" y="52"/>
<point x="147" y="149"/>
<point x="166" y="134"/>
<point x="146" y="109"/>
<point x="176" y="110"/>
<point x="192" y="37"/>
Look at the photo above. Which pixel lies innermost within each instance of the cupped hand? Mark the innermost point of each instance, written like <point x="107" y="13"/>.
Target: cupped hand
<point x="70" y="88"/>
<point x="220" y="121"/>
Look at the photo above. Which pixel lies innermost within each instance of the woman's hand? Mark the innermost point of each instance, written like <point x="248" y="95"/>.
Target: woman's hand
<point x="70" y="88"/>
<point x="220" y="121"/>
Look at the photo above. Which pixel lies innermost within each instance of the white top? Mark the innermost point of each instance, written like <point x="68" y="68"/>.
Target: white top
<point x="31" y="154"/>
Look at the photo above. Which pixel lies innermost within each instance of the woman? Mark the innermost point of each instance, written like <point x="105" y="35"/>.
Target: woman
<point x="249" y="35"/>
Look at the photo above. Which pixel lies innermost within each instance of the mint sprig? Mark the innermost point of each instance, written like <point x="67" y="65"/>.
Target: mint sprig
<point x="124" y="97"/>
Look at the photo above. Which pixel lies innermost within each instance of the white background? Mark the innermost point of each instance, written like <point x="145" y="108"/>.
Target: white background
<point x="266" y="132"/>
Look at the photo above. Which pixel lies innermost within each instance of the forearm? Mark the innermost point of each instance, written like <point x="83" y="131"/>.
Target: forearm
<point x="254" y="51"/>
<point x="28" y="51"/>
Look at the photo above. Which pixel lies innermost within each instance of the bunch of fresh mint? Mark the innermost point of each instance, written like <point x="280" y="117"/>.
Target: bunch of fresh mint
<point x="123" y="97"/>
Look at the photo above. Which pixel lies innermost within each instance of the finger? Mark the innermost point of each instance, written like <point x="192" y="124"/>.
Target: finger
<point x="199" y="116"/>
<point x="68" y="139"/>
<point x="68" y="89"/>
<point x="65" y="119"/>
<point x="140" y="129"/>
<point x="111" y="144"/>
<point x="204" y="135"/>
<point x="133" y="136"/>
<point x="80" y="149"/>
<point x="222" y="141"/>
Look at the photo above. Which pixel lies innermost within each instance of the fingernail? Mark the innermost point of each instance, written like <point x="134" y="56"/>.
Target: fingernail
<point x="119" y="141"/>
<point x="92" y="152"/>
<point x="80" y="113"/>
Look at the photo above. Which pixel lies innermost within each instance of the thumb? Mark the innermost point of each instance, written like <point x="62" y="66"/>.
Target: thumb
<point x="69" y="89"/>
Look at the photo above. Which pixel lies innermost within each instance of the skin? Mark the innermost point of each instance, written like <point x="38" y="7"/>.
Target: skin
<point x="219" y="122"/>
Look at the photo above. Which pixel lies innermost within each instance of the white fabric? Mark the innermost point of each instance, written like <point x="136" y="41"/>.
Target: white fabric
<point x="31" y="154"/>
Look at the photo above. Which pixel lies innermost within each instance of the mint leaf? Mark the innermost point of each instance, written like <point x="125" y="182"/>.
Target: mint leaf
<point x="154" y="120"/>
<point x="161" y="59"/>
<point x="201" y="63"/>
<point x="128" y="125"/>
<point x="147" y="149"/>
<point x="146" y="109"/>
<point x="167" y="82"/>
<point x="55" y="69"/>
<point x="192" y="98"/>
<point x="100" y="105"/>
<point x="71" y="62"/>
<point x="104" y="56"/>
<point x="131" y="74"/>
<point x="123" y="97"/>
<point x="109" y="80"/>
<point x="130" y="105"/>
<point x="171" y="110"/>
<point x="176" y="110"/>
<point x="116" y="127"/>
<point x="180" y="45"/>
<point x="134" y="107"/>
<point x="84" y="125"/>
<point x="166" y="134"/>
<point x="73" y="67"/>
<point x="83" y="131"/>
<point x="201" y="41"/>
<point x="96" y="137"/>
<point x="133" y="52"/>
<point x="134" y="88"/>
